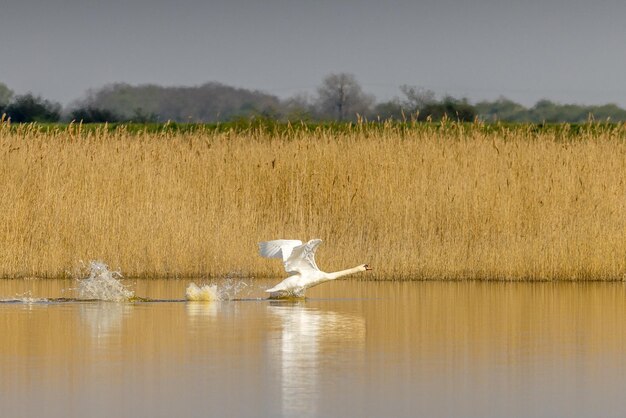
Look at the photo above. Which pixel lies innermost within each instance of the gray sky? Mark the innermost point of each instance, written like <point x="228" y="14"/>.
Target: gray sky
<point x="565" y="50"/>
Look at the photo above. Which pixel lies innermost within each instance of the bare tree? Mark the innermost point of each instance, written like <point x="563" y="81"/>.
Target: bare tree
<point x="340" y="96"/>
<point x="416" y="98"/>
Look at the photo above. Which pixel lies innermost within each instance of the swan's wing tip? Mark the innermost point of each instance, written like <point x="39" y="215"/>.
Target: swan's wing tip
<point x="278" y="248"/>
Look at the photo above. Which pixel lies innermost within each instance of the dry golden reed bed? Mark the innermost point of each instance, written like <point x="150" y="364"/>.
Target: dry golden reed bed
<point x="445" y="201"/>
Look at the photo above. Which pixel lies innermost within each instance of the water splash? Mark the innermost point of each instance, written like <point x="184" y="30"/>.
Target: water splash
<point x="232" y="288"/>
<point x="25" y="298"/>
<point x="229" y="289"/>
<point x="204" y="293"/>
<point x="103" y="284"/>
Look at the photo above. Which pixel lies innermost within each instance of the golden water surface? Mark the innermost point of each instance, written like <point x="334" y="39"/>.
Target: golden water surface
<point x="352" y="348"/>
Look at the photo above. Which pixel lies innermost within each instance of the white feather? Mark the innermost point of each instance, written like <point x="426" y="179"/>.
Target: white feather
<point x="280" y="248"/>
<point x="302" y="258"/>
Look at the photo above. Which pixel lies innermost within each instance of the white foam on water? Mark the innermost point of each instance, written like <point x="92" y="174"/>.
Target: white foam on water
<point x="204" y="293"/>
<point x="103" y="284"/>
<point x="25" y="298"/>
<point x="227" y="290"/>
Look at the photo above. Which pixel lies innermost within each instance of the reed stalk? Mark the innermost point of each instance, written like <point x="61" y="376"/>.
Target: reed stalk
<point x="438" y="201"/>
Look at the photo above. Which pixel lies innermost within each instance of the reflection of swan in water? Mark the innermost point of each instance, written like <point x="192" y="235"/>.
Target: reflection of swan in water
<point x="309" y="337"/>
<point x="299" y="261"/>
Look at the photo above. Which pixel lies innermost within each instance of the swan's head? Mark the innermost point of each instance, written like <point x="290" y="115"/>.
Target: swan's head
<point x="366" y="267"/>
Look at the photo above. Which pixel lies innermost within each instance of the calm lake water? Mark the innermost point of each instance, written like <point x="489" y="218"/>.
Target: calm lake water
<point x="352" y="348"/>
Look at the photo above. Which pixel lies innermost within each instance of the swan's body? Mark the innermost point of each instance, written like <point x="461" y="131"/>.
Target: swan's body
<point x="299" y="261"/>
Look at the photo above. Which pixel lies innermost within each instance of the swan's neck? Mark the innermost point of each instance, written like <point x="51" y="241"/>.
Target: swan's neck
<point x="338" y="274"/>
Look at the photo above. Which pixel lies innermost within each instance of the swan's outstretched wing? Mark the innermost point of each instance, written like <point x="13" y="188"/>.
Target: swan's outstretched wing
<point x="280" y="248"/>
<point x="297" y="257"/>
<point x="302" y="257"/>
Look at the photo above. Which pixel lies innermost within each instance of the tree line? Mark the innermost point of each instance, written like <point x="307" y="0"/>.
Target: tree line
<point x="339" y="97"/>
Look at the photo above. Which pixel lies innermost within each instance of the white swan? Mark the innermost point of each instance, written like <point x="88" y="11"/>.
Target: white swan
<point x="299" y="261"/>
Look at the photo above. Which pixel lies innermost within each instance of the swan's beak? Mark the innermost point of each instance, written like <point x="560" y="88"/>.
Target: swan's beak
<point x="367" y="267"/>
